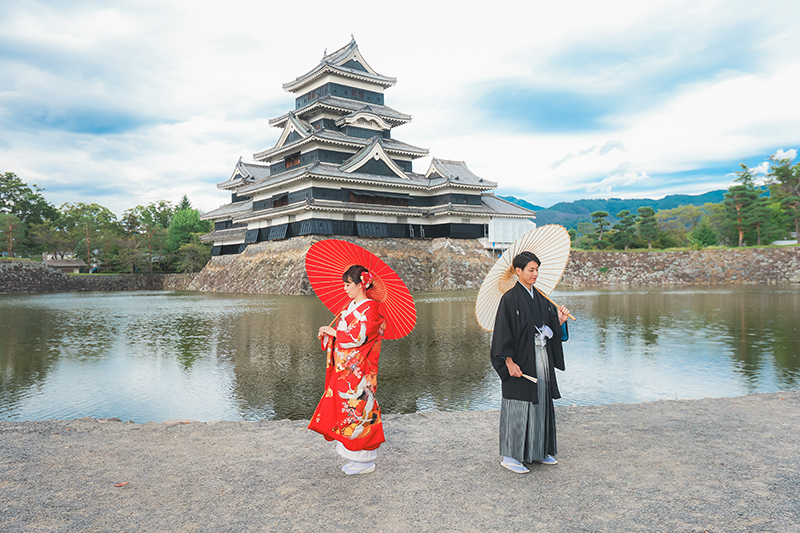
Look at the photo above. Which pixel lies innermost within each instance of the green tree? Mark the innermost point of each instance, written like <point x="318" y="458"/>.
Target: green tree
<point x="647" y="225"/>
<point x="184" y="204"/>
<point x="573" y="236"/>
<point x="625" y="229"/>
<point x="137" y="219"/>
<point x="56" y="240"/>
<point x="680" y="221"/>
<point x="27" y="204"/>
<point x="94" y="228"/>
<point x="185" y="228"/>
<point x="784" y="185"/>
<point x="148" y="226"/>
<point x="703" y="235"/>
<point x="585" y="236"/>
<point x="192" y="257"/>
<point x="600" y="221"/>
<point x="715" y="218"/>
<point x="127" y="256"/>
<point x="759" y="219"/>
<point x="12" y="230"/>
<point x="739" y="201"/>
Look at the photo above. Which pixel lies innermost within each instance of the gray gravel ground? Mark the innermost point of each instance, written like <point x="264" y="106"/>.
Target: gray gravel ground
<point x="715" y="465"/>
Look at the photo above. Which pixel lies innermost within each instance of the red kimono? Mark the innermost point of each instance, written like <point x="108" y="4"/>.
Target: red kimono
<point x="348" y="411"/>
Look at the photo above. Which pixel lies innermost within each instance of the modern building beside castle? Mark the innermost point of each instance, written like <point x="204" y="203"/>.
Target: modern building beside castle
<point x="338" y="170"/>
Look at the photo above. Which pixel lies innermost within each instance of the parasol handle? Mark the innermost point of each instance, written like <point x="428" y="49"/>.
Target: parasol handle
<point x="552" y="302"/>
<point x="335" y="318"/>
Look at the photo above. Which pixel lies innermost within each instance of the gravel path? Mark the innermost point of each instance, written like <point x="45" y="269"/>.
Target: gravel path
<point x="715" y="465"/>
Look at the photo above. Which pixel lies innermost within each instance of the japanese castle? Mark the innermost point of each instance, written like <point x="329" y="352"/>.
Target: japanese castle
<point x="337" y="170"/>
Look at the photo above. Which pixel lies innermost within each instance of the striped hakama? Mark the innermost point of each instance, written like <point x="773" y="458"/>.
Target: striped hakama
<point x="528" y="430"/>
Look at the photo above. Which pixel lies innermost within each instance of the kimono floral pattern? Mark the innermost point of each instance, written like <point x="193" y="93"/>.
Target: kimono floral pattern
<point x="348" y="411"/>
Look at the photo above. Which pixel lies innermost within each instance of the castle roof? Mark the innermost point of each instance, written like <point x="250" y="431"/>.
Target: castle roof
<point x="346" y="62"/>
<point x="244" y="173"/>
<point x="345" y="106"/>
<point x="231" y="234"/>
<point x="335" y="137"/>
<point x="333" y="172"/>
<point x="490" y="206"/>
<point x="228" y="210"/>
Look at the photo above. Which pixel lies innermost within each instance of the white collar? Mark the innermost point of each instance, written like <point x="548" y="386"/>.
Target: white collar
<point x="527" y="290"/>
<point x="354" y="305"/>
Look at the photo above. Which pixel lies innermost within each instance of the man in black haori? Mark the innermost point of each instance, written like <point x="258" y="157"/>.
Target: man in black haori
<point x="526" y="345"/>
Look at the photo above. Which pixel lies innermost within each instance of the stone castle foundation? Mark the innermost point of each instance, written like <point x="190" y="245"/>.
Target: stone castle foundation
<point x="278" y="267"/>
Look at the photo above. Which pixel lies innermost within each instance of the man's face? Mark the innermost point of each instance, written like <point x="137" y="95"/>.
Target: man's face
<point x="527" y="276"/>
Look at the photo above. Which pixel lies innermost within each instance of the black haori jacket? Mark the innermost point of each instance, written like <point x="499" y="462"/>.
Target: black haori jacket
<point x="514" y="335"/>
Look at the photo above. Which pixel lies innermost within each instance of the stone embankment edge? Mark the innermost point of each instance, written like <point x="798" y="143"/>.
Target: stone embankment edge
<point x="425" y="265"/>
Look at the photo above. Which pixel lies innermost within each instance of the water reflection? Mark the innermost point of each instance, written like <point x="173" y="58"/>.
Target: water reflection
<point x="157" y="355"/>
<point x="682" y="343"/>
<point x="443" y="364"/>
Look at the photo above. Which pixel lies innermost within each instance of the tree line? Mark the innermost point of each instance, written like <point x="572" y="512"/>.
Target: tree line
<point x="156" y="237"/>
<point x="749" y="215"/>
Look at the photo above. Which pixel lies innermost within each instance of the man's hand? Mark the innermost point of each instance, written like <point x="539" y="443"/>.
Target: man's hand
<point x="513" y="368"/>
<point x="563" y="314"/>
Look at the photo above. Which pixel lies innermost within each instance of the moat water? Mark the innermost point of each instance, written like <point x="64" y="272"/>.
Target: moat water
<point x="151" y="356"/>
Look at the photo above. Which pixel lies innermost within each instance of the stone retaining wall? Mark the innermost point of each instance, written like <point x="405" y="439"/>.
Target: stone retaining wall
<point x="17" y="275"/>
<point x="431" y="265"/>
<point x="20" y="276"/>
<point x="278" y="267"/>
<point x="730" y="265"/>
<point x="449" y="264"/>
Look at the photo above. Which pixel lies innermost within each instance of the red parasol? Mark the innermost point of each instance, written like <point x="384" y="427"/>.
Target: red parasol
<point x="327" y="260"/>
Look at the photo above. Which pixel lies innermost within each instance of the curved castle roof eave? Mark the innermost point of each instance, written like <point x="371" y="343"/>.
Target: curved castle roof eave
<point x="310" y="174"/>
<point x="309" y="78"/>
<point x="334" y="63"/>
<point x="353" y="142"/>
<point x="336" y="103"/>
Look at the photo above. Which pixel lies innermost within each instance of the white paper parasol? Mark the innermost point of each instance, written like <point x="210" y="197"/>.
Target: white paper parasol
<point x="551" y="244"/>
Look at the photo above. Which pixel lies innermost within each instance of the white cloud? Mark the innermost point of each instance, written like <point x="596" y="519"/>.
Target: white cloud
<point x="606" y="185"/>
<point x="788" y="154"/>
<point x="183" y="90"/>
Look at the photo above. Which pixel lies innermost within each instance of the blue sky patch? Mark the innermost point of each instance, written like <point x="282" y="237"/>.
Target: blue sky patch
<point x="550" y="111"/>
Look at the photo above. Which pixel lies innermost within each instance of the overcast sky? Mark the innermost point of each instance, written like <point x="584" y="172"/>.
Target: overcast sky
<point x="125" y="103"/>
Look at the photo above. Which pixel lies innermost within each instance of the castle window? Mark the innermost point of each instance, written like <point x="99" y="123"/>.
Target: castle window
<point x="375" y="198"/>
<point x="280" y="201"/>
<point x="292" y="160"/>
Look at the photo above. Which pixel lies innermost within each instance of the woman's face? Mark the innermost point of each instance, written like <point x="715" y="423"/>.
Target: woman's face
<point x="527" y="276"/>
<point x="353" y="290"/>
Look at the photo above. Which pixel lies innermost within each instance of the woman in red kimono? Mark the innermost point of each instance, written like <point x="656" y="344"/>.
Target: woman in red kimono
<point x="348" y="411"/>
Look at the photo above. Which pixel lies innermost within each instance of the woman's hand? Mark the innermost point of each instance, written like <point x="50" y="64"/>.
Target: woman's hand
<point x="563" y="314"/>
<point x="326" y="330"/>
<point x="513" y="368"/>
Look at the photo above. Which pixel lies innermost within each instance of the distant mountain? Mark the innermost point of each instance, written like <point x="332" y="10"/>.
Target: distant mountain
<point x="522" y="203"/>
<point x="570" y="214"/>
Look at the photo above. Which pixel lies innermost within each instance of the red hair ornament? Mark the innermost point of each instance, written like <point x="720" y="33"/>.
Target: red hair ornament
<point x="366" y="279"/>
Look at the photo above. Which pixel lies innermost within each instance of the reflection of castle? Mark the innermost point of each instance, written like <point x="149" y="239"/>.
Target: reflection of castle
<point x="337" y="170"/>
